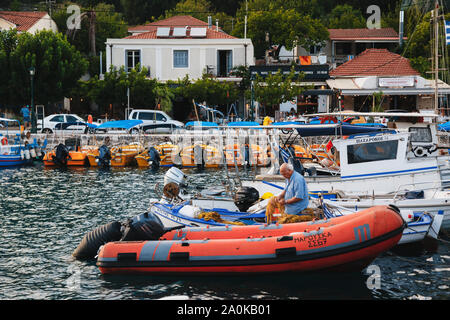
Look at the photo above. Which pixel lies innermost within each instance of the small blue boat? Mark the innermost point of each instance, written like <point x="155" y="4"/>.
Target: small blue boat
<point x="11" y="154"/>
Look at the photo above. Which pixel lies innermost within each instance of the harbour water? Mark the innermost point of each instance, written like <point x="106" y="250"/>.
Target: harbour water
<point x="46" y="212"/>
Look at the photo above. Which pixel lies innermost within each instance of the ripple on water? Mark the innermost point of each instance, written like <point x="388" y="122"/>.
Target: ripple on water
<point x="45" y="213"/>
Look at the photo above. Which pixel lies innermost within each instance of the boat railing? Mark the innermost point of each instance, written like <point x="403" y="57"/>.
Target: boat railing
<point x="402" y="188"/>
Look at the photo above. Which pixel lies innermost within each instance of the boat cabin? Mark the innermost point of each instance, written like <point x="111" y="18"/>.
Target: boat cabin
<point x="381" y="154"/>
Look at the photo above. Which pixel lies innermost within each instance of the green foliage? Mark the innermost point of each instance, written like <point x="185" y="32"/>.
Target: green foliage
<point x="164" y="97"/>
<point x="346" y="17"/>
<point x="108" y="24"/>
<point x="272" y="23"/>
<point x="277" y="87"/>
<point x="199" y="9"/>
<point x="113" y="89"/>
<point x="206" y="89"/>
<point x="58" y="66"/>
<point x="140" y="11"/>
<point x="8" y="43"/>
<point x="419" y="45"/>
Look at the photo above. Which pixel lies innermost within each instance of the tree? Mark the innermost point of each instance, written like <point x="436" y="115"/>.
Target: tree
<point x="277" y="88"/>
<point x="346" y="17"/>
<point x="140" y="11"/>
<point x="419" y="46"/>
<point x="207" y="89"/>
<point x="163" y="97"/>
<point x="281" y="26"/>
<point x="57" y="63"/>
<point x="8" y="44"/>
<point x="113" y="89"/>
<point x="108" y="24"/>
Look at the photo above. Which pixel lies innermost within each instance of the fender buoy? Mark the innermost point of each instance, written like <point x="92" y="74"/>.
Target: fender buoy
<point x="93" y="240"/>
<point x="4" y="141"/>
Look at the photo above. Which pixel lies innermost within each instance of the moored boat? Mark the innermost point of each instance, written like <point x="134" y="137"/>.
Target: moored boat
<point x="337" y="243"/>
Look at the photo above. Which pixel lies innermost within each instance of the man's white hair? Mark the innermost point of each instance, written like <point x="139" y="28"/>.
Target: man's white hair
<point x="287" y="166"/>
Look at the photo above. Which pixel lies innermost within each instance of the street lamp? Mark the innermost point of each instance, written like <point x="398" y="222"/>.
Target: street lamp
<point x="33" y="115"/>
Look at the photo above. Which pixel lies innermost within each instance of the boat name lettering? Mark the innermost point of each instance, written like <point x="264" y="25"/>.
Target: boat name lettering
<point x="314" y="240"/>
<point x="370" y="139"/>
<point x="166" y="214"/>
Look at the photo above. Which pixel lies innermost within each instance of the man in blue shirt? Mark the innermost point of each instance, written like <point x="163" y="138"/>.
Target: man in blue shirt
<point x="294" y="197"/>
<point x="26" y="116"/>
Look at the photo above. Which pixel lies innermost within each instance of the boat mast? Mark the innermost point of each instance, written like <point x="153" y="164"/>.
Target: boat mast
<point x="436" y="56"/>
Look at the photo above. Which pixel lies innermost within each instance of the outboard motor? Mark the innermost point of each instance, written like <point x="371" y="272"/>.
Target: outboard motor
<point x="61" y="155"/>
<point x="154" y="158"/>
<point x="247" y="155"/>
<point x="72" y="144"/>
<point x="245" y="197"/>
<point x="145" y="226"/>
<point x="104" y="157"/>
<point x="175" y="175"/>
<point x="199" y="158"/>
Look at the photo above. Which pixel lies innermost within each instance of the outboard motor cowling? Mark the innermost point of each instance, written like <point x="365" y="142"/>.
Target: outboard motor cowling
<point x="154" y="157"/>
<point x="61" y="155"/>
<point x="145" y="226"/>
<point x="104" y="157"/>
<point x="245" y="197"/>
<point x="175" y="175"/>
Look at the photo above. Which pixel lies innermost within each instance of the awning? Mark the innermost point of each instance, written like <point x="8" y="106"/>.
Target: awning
<point x="349" y="87"/>
<point x="318" y="92"/>
<point x="393" y="92"/>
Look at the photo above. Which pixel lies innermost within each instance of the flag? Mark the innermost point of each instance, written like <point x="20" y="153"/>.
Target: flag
<point x="305" y="60"/>
<point x="447" y="32"/>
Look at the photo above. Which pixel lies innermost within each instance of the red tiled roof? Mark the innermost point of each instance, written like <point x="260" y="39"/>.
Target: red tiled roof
<point x="148" y="31"/>
<point x="23" y="20"/>
<point x="175" y="21"/>
<point x="375" y="62"/>
<point x="363" y="34"/>
<point x="210" y="34"/>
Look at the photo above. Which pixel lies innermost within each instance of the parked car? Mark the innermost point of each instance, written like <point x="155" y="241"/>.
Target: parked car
<point x="72" y="122"/>
<point x="154" y="121"/>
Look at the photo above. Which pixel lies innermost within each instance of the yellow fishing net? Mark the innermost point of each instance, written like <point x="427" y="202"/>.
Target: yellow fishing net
<point x="215" y="216"/>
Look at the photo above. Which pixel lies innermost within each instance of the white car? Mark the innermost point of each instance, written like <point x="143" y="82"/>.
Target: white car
<point x="154" y="121"/>
<point x="56" y="122"/>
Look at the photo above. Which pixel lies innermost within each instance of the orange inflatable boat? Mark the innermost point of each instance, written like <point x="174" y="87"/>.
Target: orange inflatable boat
<point x="352" y="241"/>
<point x="64" y="158"/>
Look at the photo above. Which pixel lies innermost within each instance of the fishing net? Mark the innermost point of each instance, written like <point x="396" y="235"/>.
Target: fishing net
<point x="215" y="216"/>
<point x="306" y="215"/>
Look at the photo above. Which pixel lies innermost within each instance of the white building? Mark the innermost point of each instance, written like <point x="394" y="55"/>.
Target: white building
<point x="178" y="46"/>
<point x="27" y="21"/>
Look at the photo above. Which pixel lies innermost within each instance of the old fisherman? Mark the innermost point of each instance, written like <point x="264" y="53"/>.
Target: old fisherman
<point x="294" y="197"/>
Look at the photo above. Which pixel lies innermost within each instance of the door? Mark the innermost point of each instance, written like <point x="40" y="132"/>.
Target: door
<point x="224" y="62"/>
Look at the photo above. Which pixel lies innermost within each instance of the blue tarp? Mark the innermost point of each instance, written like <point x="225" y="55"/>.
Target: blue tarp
<point x="120" y="124"/>
<point x="444" y="126"/>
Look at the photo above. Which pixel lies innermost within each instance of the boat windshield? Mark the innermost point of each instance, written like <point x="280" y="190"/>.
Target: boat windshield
<point x="420" y="134"/>
<point x="373" y="151"/>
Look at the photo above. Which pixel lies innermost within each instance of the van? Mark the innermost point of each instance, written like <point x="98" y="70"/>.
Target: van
<point x="154" y="121"/>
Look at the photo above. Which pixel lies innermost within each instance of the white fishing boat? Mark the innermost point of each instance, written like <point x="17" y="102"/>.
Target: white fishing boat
<point x="380" y="164"/>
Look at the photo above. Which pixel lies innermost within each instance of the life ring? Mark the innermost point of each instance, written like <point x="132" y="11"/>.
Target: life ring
<point x="4" y="141"/>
